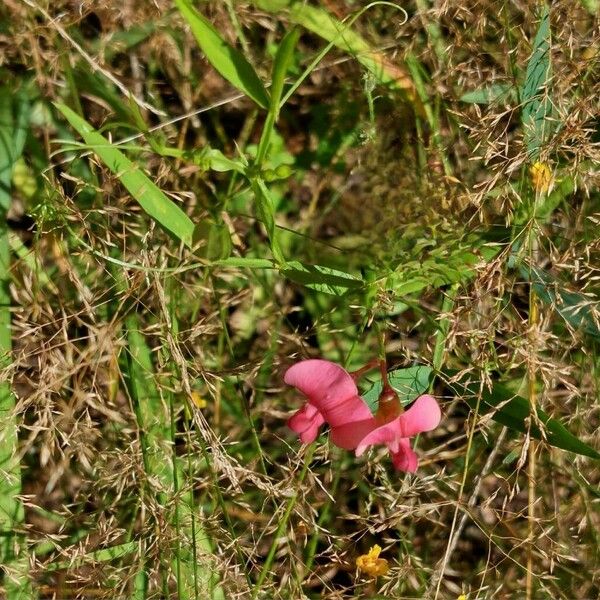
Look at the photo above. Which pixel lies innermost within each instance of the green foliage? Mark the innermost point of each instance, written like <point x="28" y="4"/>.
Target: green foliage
<point x="535" y="95"/>
<point x="320" y="278"/>
<point x="331" y="217"/>
<point x="579" y="311"/>
<point x="408" y="384"/>
<point x="14" y="123"/>
<point x="498" y="92"/>
<point x="514" y="412"/>
<point x="230" y="63"/>
<point x="139" y="185"/>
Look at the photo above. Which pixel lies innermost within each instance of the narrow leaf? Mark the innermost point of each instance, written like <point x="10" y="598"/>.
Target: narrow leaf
<point x="266" y="213"/>
<point x="320" y="22"/>
<point x="14" y="120"/>
<point x="228" y="61"/>
<point x="496" y="92"/>
<point x="579" y="311"/>
<point x="322" y="279"/>
<point x="280" y="67"/>
<point x="513" y="411"/>
<point x="139" y="185"/>
<point x="535" y="92"/>
<point x="281" y="64"/>
<point x="103" y="555"/>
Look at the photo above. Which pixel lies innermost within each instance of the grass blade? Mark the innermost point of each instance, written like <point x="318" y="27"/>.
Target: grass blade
<point x="228" y="61"/>
<point x="514" y="411"/>
<point x="14" y="114"/>
<point x="280" y="67"/>
<point x="320" y="22"/>
<point x="139" y="185"/>
<point x="534" y="95"/>
<point x="266" y="213"/>
<point x="157" y="433"/>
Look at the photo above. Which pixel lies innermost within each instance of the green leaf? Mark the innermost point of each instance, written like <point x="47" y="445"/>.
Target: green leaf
<point x="246" y="263"/>
<point x="228" y="61"/>
<point x="139" y="185"/>
<point x="322" y="279"/>
<point x="579" y="311"/>
<point x="340" y="34"/>
<point x="280" y="66"/>
<point x="535" y="92"/>
<point x="497" y="92"/>
<point x="445" y="264"/>
<point x="408" y="383"/>
<point x="266" y="213"/>
<point x="14" y="124"/>
<point x="513" y="411"/>
<point x="103" y="555"/>
<point x="218" y="240"/>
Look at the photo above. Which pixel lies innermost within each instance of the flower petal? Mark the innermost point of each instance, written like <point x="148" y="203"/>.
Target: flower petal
<point x="306" y="423"/>
<point x="330" y="389"/>
<point x="388" y="434"/>
<point x="423" y="415"/>
<point x="405" y="459"/>
<point x="349" y="436"/>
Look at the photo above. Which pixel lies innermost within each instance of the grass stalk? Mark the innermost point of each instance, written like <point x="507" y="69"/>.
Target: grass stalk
<point x="265" y="571"/>
<point x="13" y="556"/>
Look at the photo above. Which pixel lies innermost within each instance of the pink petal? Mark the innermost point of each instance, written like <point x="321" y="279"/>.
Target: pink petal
<point x="330" y="389"/>
<point x="349" y="436"/>
<point x="389" y="434"/>
<point x="423" y="415"/>
<point x="306" y="423"/>
<point x="405" y="459"/>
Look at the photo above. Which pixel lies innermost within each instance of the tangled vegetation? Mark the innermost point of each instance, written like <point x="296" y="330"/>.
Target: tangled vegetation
<point x="197" y="195"/>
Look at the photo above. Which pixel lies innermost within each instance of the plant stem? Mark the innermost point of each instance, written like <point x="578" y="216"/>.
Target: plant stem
<point x="283" y="523"/>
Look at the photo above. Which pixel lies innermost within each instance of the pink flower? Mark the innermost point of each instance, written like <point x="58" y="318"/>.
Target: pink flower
<point x="333" y="398"/>
<point x="423" y="415"/>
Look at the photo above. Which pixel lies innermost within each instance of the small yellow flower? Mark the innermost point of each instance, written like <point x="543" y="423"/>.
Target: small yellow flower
<point x="198" y="400"/>
<point x="462" y="597"/>
<point x="371" y="564"/>
<point x="541" y="177"/>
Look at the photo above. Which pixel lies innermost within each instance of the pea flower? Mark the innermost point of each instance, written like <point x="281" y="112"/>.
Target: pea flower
<point x="371" y="564"/>
<point x="333" y="398"/>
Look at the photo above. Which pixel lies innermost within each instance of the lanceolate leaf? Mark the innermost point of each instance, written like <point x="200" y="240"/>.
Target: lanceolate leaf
<point x="496" y="92"/>
<point x="322" y="279"/>
<point x="139" y="185"/>
<point x="535" y="92"/>
<point x="579" y="311"/>
<point x="228" y="61"/>
<point x="266" y="213"/>
<point x="320" y="22"/>
<point x="514" y="411"/>
<point x="280" y="67"/>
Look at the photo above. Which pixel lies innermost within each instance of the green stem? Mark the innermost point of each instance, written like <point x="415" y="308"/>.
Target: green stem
<point x="283" y="523"/>
<point x="14" y="114"/>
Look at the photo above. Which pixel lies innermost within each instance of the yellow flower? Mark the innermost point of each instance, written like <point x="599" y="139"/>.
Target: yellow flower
<point x="371" y="564"/>
<point x="541" y="176"/>
<point x="462" y="597"/>
<point x="198" y="400"/>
